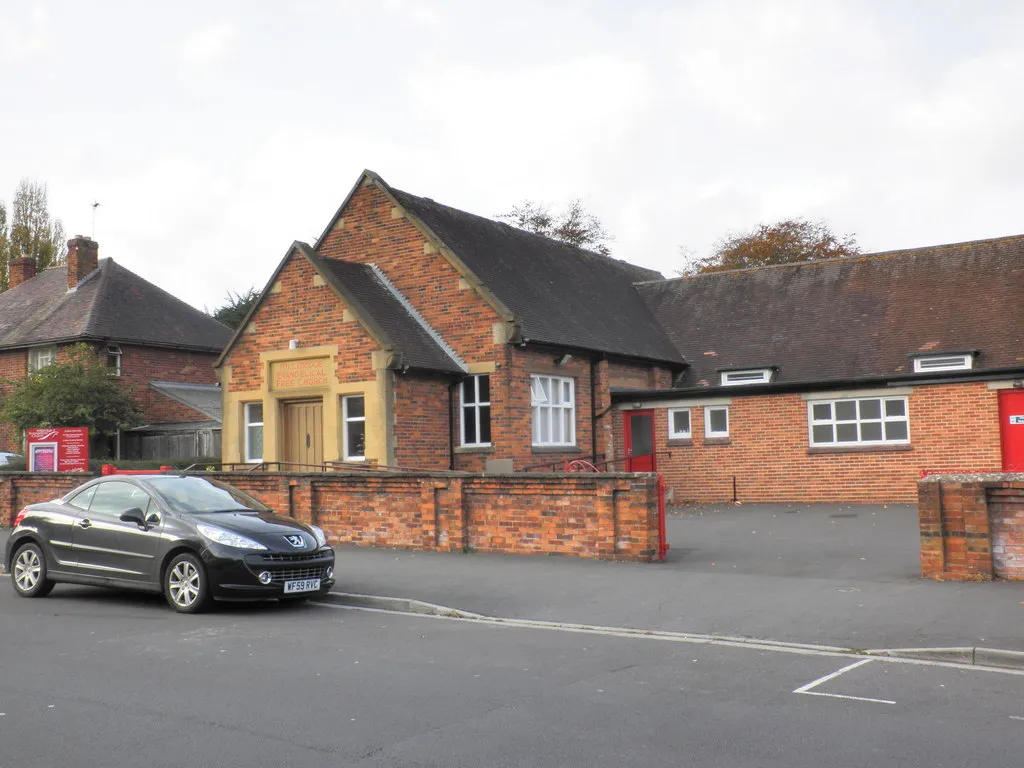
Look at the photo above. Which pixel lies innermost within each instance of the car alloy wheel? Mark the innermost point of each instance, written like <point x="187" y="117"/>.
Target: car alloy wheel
<point x="29" y="572"/>
<point x="185" y="584"/>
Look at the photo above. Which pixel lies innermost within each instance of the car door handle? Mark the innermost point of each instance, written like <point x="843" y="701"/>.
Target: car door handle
<point x="85" y="523"/>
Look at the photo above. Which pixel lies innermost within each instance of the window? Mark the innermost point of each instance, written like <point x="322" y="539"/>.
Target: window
<point x="940" y="363"/>
<point x="114" y="359"/>
<point x="353" y="415"/>
<point x="253" y="432"/>
<point x="862" y="421"/>
<point x="40" y="357"/>
<point x="751" y="376"/>
<point x="476" y="410"/>
<point x="716" y="421"/>
<point x="116" y="497"/>
<point x="554" y="410"/>
<point x="678" y="423"/>
<point x="82" y="499"/>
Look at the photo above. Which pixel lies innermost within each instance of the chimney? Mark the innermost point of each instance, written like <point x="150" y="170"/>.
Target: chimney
<point x="83" y="258"/>
<point x="20" y="270"/>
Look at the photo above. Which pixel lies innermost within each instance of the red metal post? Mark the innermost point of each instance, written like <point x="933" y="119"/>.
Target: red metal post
<point x="662" y="527"/>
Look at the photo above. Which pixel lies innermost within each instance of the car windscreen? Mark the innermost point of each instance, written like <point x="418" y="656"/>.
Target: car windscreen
<point x="199" y="494"/>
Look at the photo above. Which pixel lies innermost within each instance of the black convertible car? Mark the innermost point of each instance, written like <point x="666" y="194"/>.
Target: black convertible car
<point x="192" y="538"/>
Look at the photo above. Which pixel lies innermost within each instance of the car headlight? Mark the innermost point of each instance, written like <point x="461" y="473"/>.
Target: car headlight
<point x="321" y="537"/>
<point x="227" y="538"/>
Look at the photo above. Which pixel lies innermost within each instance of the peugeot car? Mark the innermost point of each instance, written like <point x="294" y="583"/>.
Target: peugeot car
<point x="192" y="538"/>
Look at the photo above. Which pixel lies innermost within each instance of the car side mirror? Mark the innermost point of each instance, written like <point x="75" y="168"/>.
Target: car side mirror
<point x="134" y="515"/>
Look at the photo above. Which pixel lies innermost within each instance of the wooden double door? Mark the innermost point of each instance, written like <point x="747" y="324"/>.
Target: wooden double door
<point x="303" y="431"/>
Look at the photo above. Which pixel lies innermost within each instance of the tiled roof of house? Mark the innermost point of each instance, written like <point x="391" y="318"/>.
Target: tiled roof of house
<point x="389" y="317"/>
<point x="850" y="319"/>
<point x="561" y="294"/>
<point x="110" y="303"/>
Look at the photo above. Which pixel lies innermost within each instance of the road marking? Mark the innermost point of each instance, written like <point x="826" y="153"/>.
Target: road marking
<point x="1014" y="717"/>
<point x="815" y="683"/>
<point x="680" y="637"/>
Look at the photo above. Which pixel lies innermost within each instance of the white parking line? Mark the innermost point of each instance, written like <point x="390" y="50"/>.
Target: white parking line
<point x="681" y="637"/>
<point x="1014" y="717"/>
<point x="815" y="683"/>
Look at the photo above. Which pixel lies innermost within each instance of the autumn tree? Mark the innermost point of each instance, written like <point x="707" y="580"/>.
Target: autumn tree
<point x="236" y="306"/>
<point x="575" y="225"/>
<point x="30" y="231"/>
<point x="784" y="242"/>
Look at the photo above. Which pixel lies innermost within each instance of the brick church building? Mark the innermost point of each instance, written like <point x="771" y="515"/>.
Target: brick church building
<point x="415" y="335"/>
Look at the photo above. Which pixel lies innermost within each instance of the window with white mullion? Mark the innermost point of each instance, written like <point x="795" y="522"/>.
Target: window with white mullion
<point x="353" y="416"/>
<point x="554" y="410"/>
<point x="861" y="421"/>
<point x="476" y="410"/>
<point x="253" y="432"/>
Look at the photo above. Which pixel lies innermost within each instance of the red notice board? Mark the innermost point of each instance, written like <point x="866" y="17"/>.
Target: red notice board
<point x="58" y="449"/>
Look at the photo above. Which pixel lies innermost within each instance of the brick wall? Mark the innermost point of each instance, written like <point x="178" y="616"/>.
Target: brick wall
<point x="13" y="366"/>
<point x="141" y="365"/>
<point x="369" y="233"/>
<point x="309" y="311"/>
<point x="952" y="427"/>
<point x="422" y="422"/>
<point x="972" y="527"/>
<point x="597" y="516"/>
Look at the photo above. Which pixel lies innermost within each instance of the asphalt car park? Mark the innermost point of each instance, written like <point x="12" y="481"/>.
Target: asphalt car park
<point x="94" y="677"/>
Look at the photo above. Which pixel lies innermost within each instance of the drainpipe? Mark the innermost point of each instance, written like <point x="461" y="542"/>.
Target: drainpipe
<point x="593" y="409"/>
<point x="451" y="425"/>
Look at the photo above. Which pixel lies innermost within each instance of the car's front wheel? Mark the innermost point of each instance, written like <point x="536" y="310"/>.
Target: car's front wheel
<point x="28" y="573"/>
<point x="185" y="584"/>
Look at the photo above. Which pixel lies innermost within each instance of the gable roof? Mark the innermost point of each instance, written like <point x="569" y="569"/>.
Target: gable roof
<point x="388" y="316"/>
<point x="850" y="319"/>
<point x="204" y="398"/>
<point x="559" y="294"/>
<point x="111" y="303"/>
<point x="385" y="314"/>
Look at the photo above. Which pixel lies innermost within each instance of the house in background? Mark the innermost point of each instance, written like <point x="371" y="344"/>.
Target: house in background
<point x="417" y="335"/>
<point x="840" y="380"/>
<point x="146" y="334"/>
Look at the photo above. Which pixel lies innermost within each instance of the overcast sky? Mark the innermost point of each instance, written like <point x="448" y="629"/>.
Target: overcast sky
<point x="215" y="133"/>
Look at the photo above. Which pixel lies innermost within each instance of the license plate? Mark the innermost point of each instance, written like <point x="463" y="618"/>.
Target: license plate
<point x="301" y="585"/>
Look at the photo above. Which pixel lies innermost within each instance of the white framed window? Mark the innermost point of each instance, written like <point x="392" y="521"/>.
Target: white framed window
<point x="749" y="376"/>
<point x="859" y="421"/>
<point x="114" y="359"/>
<point x="476" y="410"/>
<point x="253" y="432"/>
<point x="553" y="400"/>
<point x="939" y="363"/>
<point x="679" y="423"/>
<point x="40" y="357"/>
<point x="353" y="417"/>
<point x="716" y="421"/>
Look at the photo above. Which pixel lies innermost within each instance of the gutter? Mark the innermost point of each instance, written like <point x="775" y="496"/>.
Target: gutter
<point x="803" y="386"/>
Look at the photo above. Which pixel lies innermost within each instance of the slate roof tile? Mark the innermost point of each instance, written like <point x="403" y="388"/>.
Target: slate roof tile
<point x="110" y="303"/>
<point x="850" y="319"/>
<point x="561" y="294"/>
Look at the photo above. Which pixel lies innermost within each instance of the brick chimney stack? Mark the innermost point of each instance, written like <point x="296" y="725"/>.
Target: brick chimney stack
<point x="83" y="258"/>
<point x="20" y="270"/>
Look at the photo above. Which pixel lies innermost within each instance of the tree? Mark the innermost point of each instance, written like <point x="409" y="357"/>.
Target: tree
<point x="31" y="231"/>
<point x="237" y="306"/>
<point x="575" y="226"/>
<point x="784" y="242"/>
<point x="80" y="392"/>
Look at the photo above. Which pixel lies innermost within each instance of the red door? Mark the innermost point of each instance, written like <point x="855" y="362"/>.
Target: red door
<point x="638" y="434"/>
<point x="1011" y="429"/>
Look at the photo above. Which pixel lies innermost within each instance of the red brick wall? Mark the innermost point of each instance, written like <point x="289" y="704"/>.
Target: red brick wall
<point x="312" y="314"/>
<point x="17" y="490"/>
<point x="369" y="234"/>
<point x="13" y="366"/>
<point x="952" y="427"/>
<point x="141" y="365"/>
<point x="421" y="422"/>
<point x="607" y="516"/>
<point x="972" y="527"/>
